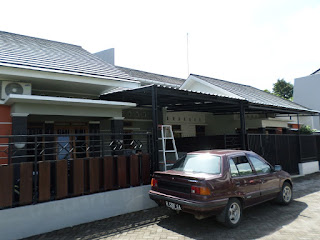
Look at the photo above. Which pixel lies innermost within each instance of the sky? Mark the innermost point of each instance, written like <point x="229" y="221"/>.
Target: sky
<point x="252" y="42"/>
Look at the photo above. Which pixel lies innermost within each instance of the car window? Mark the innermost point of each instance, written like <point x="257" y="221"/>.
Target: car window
<point x="233" y="168"/>
<point x="260" y="166"/>
<point x="204" y="163"/>
<point x="243" y="165"/>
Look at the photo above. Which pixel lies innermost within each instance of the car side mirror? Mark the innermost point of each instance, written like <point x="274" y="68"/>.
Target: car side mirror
<point x="277" y="168"/>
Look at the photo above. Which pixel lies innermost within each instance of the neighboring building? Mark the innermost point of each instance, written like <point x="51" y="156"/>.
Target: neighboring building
<point x="53" y="87"/>
<point x="106" y="55"/>
<point x="306" y="93"/>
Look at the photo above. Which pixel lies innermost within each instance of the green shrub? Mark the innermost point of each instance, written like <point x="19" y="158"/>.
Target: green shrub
<point x="305" y="129"/>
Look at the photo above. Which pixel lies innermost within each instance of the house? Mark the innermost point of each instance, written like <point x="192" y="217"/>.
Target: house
<point x="49" y="87"/>
<point x="54" y="128"/>
<point x="306" y="93"/>
<point x="63" y="104"/>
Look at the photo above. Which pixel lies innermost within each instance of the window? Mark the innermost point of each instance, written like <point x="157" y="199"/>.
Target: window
<point x="233" y="169"/>
<point x="260" y="166"/>
<point x="242" y="165"/>
<point x="203" y="163"/>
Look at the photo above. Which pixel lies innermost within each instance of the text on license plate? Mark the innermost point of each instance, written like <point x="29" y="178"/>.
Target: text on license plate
<point x="173" y="206"/>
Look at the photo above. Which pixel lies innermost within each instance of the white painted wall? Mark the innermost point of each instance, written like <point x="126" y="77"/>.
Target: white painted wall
<point x="308" y="167"/>
<point x="306" y="93"/>
<point x="31" y="220"/>
<point x="274" y="122"/>
<point x="187" y="120"/>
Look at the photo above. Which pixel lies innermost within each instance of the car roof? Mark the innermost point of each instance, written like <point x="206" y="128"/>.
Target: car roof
<point x="219" y="152"/>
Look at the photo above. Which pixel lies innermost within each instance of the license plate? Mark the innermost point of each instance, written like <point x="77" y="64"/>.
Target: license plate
<point x="173" y="206"/>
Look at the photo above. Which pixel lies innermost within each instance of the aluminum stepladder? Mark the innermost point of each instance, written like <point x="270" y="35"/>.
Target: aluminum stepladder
<point x="166" y="133"/>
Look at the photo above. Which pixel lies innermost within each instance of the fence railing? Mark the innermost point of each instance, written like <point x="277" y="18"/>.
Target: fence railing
<point x="43" y="168"/>
<point x="22" y="148"/>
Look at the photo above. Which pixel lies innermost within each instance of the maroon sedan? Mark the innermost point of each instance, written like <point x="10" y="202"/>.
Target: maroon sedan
<point x="221" y="183"/>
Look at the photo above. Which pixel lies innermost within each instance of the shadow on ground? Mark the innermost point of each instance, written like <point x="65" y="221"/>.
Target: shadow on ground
<point x="257" y="222"/>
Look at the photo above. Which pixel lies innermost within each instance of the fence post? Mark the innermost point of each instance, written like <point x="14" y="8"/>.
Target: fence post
<point x="242" y="126"/>
<point x="155" y="152"/>
<point x="35" y="170"/>
<point x="261" y="147"/>
<point x="276" y="147"/>
<point x="102" y="145"/>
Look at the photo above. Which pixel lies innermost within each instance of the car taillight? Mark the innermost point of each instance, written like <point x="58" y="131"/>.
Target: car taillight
<point x="200" y="190"/>
<point x="154" y="182"/>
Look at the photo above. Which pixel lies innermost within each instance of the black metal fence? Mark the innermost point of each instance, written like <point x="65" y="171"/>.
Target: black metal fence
<point x="39" y="168"/>
<point x="286" y="150"/>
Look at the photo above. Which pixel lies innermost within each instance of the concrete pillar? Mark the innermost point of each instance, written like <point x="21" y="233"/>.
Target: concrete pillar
<point x="19" y="127"/>
<point x="19" y="123"/>
<point x="19" y="142"/>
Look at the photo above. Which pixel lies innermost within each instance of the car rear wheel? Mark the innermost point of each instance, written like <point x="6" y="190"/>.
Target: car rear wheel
<point x="232" y="214"/>
<point x="285" y="196"/>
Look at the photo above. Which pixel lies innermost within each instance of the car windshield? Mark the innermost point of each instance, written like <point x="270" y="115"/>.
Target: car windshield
<point x="202" y="163"/>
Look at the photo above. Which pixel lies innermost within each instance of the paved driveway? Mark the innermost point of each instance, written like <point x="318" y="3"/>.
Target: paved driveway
<point x="300" y="220"/>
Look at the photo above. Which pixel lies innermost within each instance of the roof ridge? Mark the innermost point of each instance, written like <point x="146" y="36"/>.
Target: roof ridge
<point x="150" y="72"/>
<point x="220" y="80"/>
<point x="42" y="39"/>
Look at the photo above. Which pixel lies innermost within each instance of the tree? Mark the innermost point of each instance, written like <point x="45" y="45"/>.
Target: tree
<point x="283" y="89"/>
<point x="267" y="91"/>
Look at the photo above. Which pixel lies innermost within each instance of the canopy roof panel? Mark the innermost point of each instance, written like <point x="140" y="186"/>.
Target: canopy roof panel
<point x="187" y="100"/>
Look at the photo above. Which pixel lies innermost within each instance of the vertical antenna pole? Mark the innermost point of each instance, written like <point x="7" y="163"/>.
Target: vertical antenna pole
<point x="188" y="52"/>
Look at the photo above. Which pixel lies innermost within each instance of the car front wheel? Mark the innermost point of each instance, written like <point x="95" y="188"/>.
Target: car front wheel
<point x="232" y="214"/>
<point x="285" y="196"/>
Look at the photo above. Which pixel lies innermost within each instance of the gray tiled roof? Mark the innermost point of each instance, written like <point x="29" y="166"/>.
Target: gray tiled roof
<point x="35" y="53"/>
<point x="152" y="78"/>
<point x="251" y="94"/>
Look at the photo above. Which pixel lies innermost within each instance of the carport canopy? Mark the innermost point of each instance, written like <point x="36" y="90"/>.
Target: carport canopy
<point x="175" y="99"/>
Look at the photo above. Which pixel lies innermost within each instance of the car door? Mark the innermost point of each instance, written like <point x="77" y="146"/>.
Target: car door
<point x="270" y="182"/>
<point x="244" y="179"/>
